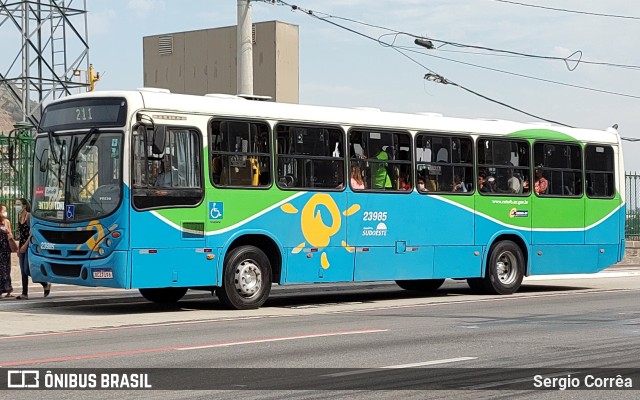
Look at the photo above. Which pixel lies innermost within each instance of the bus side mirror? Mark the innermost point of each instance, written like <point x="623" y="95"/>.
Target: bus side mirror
<point x="158" y="141"/>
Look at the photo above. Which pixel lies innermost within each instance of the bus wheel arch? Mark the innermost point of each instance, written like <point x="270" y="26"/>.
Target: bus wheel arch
<point x="267" y="245"/>
<point x="505" y="267"/>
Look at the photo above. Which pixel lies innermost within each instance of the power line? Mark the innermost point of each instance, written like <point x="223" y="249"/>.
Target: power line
<point x="521" y="75"/>
<point x="567" y="60"/>
<point x="567" y="10"/>
<point x="446" y="81"/>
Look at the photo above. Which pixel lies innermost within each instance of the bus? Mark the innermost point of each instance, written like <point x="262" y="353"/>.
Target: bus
<point x="165" y="192"/>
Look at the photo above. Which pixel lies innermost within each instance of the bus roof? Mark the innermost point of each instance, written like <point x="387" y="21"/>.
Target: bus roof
<point x="229" y="105"/>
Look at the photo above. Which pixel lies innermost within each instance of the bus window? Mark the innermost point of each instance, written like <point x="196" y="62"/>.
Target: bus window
<point x="383" y="158"/>
<point x="309" y="157"/>
<point x="559" y="168"/>
<point x="503" y="167"/>
<point x="444" y="163"/>
<point x="599" y="171"/>
<point x="240" y="155"/>
<point x="172" y="178"/>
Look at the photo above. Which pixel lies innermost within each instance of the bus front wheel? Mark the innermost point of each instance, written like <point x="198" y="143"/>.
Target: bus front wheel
<point x="163" y="295"/>
<point x="505" y="270"/>
<point x="421" y="285"/>
<point x="246" y="280"/>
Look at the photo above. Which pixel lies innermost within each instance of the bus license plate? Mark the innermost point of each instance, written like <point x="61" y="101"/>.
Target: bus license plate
<point x="102" y="273"/>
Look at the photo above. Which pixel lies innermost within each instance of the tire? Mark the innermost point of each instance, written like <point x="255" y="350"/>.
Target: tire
<point x="505" y="270"/>
<point x="246" y="279"/>
<point x="163" y="295"/>
<point x="421" y="285"/>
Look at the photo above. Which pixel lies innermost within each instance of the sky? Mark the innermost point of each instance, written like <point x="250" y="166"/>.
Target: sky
<point x="339" y="68"/>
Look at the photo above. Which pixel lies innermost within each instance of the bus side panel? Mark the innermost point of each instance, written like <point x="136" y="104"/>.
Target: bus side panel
<point x="395" y="234"/>
<point x="564" y="259"/>
<point x="601" y="231"/>
<point x="457" y="262"/>
<point x="329" y="264"/>
<point x="166" y="253"/>
<point x="400" y="262"/>
<point x="173" y="267"/>
<point x="312" y="229"/>
<point x="558" y="221"/>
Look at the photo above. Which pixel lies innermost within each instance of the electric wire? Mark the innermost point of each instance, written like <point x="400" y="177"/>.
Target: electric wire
<point x="568" y="10"/>
<point x="443" y="80"/>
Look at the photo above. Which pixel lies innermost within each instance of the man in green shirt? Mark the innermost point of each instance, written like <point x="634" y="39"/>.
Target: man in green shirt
<point x="379" y="172"/>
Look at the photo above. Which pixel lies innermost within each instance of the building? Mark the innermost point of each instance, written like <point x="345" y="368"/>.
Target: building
<point x="204" y="61"/>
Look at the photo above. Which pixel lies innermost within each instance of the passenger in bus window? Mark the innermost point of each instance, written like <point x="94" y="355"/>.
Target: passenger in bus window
<point x="421" y="186"/>
<point x="490" y="185"/>
<point x="483" y="182"/>
<point x="459" y="185"/>
<point x="357" y="183"/>
<point x="379" y="172"/>
<point x="513" y="183"/>
<point x="541" y="185"/>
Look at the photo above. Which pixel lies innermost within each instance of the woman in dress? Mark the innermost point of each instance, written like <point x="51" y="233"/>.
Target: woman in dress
<point x="23" y="211"/>
<point x="5" y="253"/>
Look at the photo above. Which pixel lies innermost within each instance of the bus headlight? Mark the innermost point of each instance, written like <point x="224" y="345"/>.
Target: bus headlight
<point x="101" y="251"/>
<point x="33" y="240"/>
<point x="108" y="242"/>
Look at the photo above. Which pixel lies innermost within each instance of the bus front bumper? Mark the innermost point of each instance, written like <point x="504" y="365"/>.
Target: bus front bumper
<point x="111" y="271"/>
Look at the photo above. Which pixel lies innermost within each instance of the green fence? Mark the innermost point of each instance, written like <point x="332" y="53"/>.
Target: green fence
<point x="15" y="176"/>
<point x="632" y="229"/>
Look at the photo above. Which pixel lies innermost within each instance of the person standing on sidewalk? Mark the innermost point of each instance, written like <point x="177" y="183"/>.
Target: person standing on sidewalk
<point x="5" y="253"/>
<point x="23" y="210"/>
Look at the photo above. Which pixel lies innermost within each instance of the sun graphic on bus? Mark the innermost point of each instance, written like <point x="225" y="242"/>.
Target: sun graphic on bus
<point x="314" y="229"/>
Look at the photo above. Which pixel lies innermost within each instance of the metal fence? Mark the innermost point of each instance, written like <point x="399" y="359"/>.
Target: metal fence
<point x="15" y="177"/>
<point x="632" y="229"/>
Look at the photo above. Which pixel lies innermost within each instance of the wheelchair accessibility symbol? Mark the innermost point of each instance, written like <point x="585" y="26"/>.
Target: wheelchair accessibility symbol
<point x="70" y="211"/>
<point x="216" y="210"/>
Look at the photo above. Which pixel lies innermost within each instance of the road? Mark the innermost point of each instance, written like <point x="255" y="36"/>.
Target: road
<point x="570" y="323"/>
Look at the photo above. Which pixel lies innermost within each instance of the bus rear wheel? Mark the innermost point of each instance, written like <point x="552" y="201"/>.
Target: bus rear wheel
<point x="421" y="285"/>
<point x="246" y="279"/>
<point x="505" y="270"/>
<point x="163" y="295"/>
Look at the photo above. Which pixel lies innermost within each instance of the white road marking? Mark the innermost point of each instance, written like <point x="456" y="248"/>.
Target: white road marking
<point x="281" y="339"/>
<point x="400" y="366"/>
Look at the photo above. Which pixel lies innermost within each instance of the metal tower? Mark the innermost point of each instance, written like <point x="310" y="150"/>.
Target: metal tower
<point x="49" y="39"/>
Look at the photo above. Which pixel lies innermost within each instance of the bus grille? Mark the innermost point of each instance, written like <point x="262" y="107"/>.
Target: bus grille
<point x="69" y="270"/>
<point x="67" y="237"/>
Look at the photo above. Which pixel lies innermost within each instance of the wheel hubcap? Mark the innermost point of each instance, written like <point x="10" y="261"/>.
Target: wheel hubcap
<point x="248" y="278"/>
<point x="506" y="267"/>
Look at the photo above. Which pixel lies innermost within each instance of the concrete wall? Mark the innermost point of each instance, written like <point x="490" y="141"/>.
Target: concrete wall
<point x="205" y="61"/>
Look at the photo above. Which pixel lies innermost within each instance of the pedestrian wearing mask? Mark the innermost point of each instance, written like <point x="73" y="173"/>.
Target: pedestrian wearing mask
<point x="5" y="253"/>
<point x="23" y="211"/>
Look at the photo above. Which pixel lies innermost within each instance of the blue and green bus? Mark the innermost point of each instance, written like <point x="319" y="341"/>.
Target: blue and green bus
<point x="165" y="192"/>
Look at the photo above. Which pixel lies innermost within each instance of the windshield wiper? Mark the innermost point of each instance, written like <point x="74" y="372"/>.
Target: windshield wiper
<point x="51" y="144"/>
<point x="76" y="149"/>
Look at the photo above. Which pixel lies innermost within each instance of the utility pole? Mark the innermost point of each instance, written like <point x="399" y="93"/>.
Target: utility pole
<point x="245" y="48"/>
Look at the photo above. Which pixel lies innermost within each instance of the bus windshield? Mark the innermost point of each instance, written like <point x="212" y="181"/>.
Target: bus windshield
<point x="77" y="176"/>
